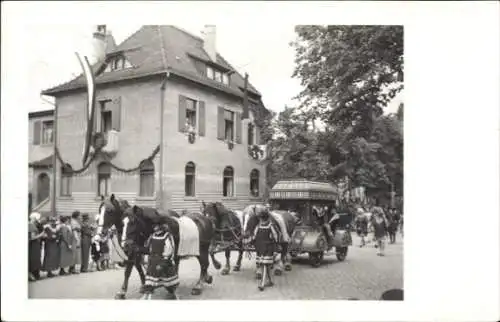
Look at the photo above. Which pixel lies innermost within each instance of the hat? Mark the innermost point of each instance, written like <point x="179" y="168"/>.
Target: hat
<point x="85" y="216"/>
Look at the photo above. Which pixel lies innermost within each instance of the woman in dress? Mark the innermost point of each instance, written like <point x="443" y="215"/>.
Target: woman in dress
<point x="35" y="246"/>
<point x="76" y="231"/>
<point x="265" y="238"/>
<point x="65" y="245"/>
<point x="161" y="271"/>
<point x="51" y="250"/>
<point x="87" y="234"/>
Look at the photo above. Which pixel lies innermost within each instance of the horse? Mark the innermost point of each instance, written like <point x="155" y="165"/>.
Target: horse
<point x="228" y="233"/>
<point x="284" y="223"/>
<point x="111" y="213"/>
<point x="135" y="225"/>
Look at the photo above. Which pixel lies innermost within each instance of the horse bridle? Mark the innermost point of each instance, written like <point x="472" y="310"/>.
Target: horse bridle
<point x="221" y="230"/>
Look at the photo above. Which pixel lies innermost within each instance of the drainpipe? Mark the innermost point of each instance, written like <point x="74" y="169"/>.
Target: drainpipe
<point x="54" y="166"/>
<point x="162" y="144"/>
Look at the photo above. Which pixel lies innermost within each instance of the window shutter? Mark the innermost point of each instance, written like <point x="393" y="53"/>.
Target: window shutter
<point x="37" y="129"/>
<point x="201" y="118"/>
<point x="116" y="114"/>
<point x="97" y="117"/>
<point x="182" y="113"/>
<point x="237" y="126"/>
<point x="220" y="123"/>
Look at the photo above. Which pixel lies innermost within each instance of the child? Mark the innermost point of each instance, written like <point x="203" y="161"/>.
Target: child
<point x="96" y="253"/>
<point x="265" y="238"/>
<point x="161" y="271"/>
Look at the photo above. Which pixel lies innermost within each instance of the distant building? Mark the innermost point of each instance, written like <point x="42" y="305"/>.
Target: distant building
<point x="41" y="149"/>
<point x="160" y="76"/>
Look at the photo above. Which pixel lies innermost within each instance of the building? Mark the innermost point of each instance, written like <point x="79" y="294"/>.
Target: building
<point x="169" y="126"/>
<point x="40" y="158"/>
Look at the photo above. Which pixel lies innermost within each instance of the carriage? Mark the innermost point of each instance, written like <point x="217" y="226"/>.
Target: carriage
<point x="299" y="197"/>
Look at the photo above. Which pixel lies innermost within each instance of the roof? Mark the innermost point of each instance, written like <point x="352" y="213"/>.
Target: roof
<point x="41" y="113"/>
<point x="43" y="163"/>
<point x="303" y="189"/>
<point x="153" y="50"/>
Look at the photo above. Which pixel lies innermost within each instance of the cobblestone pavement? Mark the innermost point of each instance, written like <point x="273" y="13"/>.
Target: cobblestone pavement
<point x="363" y="275"/>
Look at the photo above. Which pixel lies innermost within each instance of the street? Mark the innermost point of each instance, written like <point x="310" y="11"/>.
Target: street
<point x="363" y="275"/>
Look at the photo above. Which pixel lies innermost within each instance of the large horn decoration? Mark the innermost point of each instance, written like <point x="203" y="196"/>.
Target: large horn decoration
<point x="90" y="108"/>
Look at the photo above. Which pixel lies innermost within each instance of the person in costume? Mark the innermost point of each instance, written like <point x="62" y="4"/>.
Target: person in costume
<point x="161" y="271"/>
<point x="380" y="229"/>
<point x="265" y="239"/>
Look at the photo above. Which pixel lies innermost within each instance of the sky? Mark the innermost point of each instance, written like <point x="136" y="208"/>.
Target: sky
<point x="261" y="51"/>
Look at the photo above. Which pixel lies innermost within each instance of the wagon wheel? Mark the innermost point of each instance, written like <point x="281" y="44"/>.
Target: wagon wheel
<point x="315" y="258"/>
<point x="341" y="253"/>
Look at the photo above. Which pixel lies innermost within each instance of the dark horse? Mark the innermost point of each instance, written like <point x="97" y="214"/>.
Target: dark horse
<point x="228" y="234"/>
<point x="112" y="214"/>
<point x="234" y="231"/>
<point x="140" y="222"/>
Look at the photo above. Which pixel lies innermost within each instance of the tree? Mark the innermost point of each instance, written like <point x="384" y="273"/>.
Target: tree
<point x="350" y="73"/>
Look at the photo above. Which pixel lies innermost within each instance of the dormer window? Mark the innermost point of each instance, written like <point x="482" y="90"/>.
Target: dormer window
<point x="117" y="63"/>
<point x="217" y="75"/>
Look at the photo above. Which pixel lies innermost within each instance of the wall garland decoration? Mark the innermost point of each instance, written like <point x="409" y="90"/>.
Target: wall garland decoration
<point x="89" y="162"/>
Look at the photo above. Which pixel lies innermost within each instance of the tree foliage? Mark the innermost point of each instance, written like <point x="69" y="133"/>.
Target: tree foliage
<point x="349" y="74"/>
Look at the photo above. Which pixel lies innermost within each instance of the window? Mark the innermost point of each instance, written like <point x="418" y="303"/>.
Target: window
<point x="191" y="113"/>
<point x="210" y="72"/>
<point x="254" y="183"/>
<point x="66" y="175"/>
<point x="228" y="182"/>
<point x="225" y="79"/>
<point x="103" y="179"/>
<point x="147" y="179"/>
<point x="218" y="76"/>
<point x="47" y="132"/>
<point x="106" y="121"/>
<point x="228" y="125"/>
<point x="251" y="130"/>
<point x="190" y="171"/>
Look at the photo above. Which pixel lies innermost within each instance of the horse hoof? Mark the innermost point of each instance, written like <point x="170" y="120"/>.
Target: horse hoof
<point x="288" y="267"/>
<point x="196" y="291"/>
<point x="225" y="271"/>
<point x="261" y="288"/>
<point x="209" y="280"/>
<point x="278" y="272"/>
<point x="120" y="296"/>
<point x="217" y="266"/>
<point x="236" y="268"/>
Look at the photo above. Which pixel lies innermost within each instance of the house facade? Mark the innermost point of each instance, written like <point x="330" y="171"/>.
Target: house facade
<point x="40" y="153"/>
<point x="170" y="127"/>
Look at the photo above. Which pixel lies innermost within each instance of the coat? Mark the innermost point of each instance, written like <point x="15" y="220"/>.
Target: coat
<point x="51" y="251"/>
<point x="65" y="246"/>
<point x="76" y="245"/>
<point x="35" y="249"/>
<point x="87" y="234"/>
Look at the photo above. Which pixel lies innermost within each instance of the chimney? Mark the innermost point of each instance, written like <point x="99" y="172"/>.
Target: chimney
<point x="98" y="45"/>
<point x="209" y="41"/>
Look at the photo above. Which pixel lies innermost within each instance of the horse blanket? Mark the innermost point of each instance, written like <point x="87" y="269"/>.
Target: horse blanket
<point x="189" y="237"/>
<point x="282" y="224"/>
